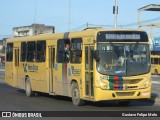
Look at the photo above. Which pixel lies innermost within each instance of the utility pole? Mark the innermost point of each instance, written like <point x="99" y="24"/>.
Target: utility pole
<point x="115" y="12"/>
<point x="87" y="25"/>
<point x="139" y="23"/>
<point x="35" y="11"/>
<point x="69" y="16"/>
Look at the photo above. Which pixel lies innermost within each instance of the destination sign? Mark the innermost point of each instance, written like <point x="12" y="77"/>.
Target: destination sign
<point x="122" y="36"/>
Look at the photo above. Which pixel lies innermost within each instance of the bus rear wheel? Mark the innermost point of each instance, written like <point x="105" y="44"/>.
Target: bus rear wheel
<point x="28" y="88"/>
<point x="76" y="95"/>
<point x="124" y="103"/>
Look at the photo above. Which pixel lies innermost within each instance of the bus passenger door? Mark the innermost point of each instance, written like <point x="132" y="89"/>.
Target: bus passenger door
<point x="16" y="66"/>
<point x="51" y="68"/>
<point x="89" y="91"/>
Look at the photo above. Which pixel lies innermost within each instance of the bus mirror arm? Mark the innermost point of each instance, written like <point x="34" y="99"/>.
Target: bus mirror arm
<point x="96" y="55"/>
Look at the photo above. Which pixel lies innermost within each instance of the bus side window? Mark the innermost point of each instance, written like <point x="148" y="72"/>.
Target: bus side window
<point x="9" y="52"/>
<point x="156" y="60"/>
<point x="31" y="51"/>
<point x="151" y="60"/>
<point x="23" y="51"/>
<point x="41" y="51"/>
<point x="76" y="50"/>
<point x="63" y="53"/>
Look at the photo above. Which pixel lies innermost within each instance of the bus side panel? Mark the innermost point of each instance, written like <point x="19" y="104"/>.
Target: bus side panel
<point x="74" y="73"/>
<point x="155" y="69"/>
<point x="22" y="74"/>
<point x="9" y="73"/>
<point x="37" y="75"/>
<point x="58" y="79"/>
<point x="41" y="81"/>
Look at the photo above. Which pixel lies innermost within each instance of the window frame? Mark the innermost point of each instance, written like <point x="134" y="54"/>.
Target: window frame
<point x="22" y="52"/>
<point x="10" y="53"/>
<point x="33" y="52"/>
<point x="65" y="41"/>
<point x="43" y="52"/>
<point x="80" y="50"/>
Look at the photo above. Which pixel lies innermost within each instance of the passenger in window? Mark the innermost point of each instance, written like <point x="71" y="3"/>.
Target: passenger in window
<point x="67" y="52"/>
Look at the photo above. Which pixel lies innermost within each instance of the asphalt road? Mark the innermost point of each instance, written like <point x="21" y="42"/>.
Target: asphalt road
<point x="12" y="99"/>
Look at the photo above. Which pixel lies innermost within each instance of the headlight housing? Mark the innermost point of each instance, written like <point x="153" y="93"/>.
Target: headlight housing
<point x="146" y="84"/>
<point x="102" y="85"/>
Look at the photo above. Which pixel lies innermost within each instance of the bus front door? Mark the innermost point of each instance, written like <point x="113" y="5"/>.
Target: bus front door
<point x="89" y="91"/>
<point x="51" y="68"/>
<point x="16" y="66"/>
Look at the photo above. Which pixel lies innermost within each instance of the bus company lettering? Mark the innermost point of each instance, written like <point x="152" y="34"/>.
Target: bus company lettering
<point x="32" y="68"/>
<point x="73" y="71"/>
<point x="27" y="67"/>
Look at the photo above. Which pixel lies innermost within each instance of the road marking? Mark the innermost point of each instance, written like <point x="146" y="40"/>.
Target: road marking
<point x="2" y="70"/>
<point x="155" y="82"/>
<point x="155" y="75"/>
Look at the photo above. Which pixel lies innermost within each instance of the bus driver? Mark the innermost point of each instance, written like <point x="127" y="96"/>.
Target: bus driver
<point x="67" y="52"/>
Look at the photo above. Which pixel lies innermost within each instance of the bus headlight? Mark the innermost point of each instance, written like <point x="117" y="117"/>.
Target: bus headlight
<point x="146" y="84"/>
<point x="103" y="85"/>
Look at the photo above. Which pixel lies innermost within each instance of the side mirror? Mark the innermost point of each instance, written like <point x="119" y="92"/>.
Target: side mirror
<point x="96" y="56"/>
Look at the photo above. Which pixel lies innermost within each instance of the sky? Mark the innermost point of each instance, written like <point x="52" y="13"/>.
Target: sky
<point x="15" y="13"/>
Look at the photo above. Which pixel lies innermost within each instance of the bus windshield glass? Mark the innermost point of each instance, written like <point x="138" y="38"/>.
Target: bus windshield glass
<point x="123" y="59"/>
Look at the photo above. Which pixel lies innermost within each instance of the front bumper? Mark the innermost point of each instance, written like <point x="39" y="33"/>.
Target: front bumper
<point x="101" y="94"/>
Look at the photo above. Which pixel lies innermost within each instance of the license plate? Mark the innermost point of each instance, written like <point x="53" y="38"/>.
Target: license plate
<point x="145" y="93"/>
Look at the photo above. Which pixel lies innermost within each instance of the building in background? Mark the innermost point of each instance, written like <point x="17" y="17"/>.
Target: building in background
<point x="2" y="51"/>
<point x="154" y="36"/>
<point x="4" y="45"/>
<point x="33" y="29"/>
<point x="1" y="45"/>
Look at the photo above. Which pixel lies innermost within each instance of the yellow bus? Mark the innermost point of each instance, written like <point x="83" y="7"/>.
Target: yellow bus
<point x="155" y="64"/>
<point x="99" y="64"/>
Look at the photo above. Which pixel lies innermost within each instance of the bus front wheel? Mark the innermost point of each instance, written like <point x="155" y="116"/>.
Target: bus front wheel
<point x="76" y="95"/>
<point x="28" y="88"/>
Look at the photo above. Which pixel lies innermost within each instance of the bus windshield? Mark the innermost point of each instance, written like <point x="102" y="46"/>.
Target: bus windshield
<point x="123" y="59"/>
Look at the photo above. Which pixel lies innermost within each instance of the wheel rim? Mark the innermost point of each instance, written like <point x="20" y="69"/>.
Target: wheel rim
<point x="27" y="88"/>
<point x="75" y="94"/>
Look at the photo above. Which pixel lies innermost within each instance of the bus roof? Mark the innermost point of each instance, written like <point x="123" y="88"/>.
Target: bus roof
<point x="91" y="31"/>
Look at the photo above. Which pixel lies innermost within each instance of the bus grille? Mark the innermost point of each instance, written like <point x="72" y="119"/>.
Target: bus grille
<point x="126" y="88"/>
<point x="126" y="84"/>
<point x="128" y="81"/>
<point x="132" y="87"/>
<point x="125" y="93"/>
<point x="135" y="81"/>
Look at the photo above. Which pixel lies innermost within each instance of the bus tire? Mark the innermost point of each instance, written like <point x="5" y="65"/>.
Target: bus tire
<point x="75" y="93"/>
<point x="124" y="103"/>
<point x="28" y="88"/>
<point x="156" y="72"/>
